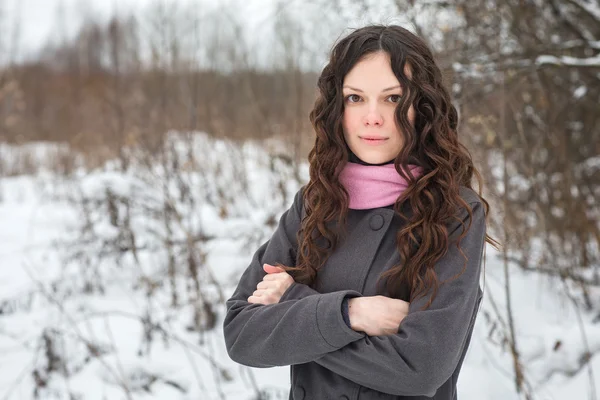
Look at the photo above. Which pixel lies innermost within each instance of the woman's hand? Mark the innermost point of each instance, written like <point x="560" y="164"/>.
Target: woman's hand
<point x="376" y="315"/>
<point x="272" y="287"/>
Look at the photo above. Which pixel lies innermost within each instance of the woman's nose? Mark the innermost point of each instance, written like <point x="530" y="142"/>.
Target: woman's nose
<point x="373" y="117"/>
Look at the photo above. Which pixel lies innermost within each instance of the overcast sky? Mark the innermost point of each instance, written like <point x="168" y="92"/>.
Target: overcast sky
<point x="40" y="20"/>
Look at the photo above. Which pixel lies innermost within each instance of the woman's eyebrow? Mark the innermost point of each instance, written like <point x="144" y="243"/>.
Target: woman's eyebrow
<point x="384" y="90"/>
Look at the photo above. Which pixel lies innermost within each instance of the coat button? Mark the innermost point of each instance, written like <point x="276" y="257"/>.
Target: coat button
<point x="376" y="222"/>
<point x="299" y="393"/>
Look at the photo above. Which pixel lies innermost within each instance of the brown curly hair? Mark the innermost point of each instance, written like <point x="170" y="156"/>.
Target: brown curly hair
<point x="432" y="144"/>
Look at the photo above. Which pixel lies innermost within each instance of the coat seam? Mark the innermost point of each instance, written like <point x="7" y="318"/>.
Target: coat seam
<point x="318" y="327"/>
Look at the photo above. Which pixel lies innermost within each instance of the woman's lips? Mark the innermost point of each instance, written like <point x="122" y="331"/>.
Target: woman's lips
<point x="373" y="141"/>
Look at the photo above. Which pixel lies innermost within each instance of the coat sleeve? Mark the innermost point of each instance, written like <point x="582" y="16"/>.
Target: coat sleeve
<point x="427" y="348"/>
<point x="297" y="291"/>
<point x="296" y="330"/>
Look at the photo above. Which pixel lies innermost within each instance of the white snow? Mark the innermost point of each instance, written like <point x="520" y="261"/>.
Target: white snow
<point x="569" y="61"/>
<point x="580" y="92"/>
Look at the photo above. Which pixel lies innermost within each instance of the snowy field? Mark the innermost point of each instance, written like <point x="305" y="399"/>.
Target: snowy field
<point x="87" y="312"/>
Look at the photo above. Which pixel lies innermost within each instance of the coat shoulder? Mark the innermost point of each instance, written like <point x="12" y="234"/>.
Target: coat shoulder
<point x="469" y="195"/>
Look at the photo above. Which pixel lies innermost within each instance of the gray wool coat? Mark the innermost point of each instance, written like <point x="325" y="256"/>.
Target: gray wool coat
<point x="328" y="359"/>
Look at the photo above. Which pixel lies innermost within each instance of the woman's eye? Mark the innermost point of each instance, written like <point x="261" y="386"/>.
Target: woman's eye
<point x="353" y="98"/>
<point x="395" y="98"/>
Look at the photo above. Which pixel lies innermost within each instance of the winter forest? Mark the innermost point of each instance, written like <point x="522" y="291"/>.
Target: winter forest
<point x="148" y="148"/>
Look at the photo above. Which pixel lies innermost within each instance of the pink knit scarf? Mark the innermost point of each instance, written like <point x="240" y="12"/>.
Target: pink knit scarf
<point x="373" y="186"/>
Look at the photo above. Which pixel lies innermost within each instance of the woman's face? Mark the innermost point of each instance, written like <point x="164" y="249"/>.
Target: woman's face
<point x="371" y="93"/>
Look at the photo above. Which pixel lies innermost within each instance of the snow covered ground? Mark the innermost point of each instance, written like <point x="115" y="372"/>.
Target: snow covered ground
<point x="77" y="325"/>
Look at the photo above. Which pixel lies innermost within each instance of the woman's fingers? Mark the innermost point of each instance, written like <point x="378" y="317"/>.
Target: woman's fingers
<point x="257" y="297"/>
<point x="273" y="277"/>
<point x="262" y="293"/>
<point x="270" y="269"/>
<point x="262" y="285"/>
<point x="274" y="286"/>
<point x="262" y="299"/>
<point x="271" y="288"/>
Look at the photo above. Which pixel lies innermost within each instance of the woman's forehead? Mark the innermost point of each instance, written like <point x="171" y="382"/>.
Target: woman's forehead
<point x="373" y="72"/>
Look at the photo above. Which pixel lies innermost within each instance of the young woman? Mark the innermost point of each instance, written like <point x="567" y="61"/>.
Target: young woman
<point x="369" y="287"/>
